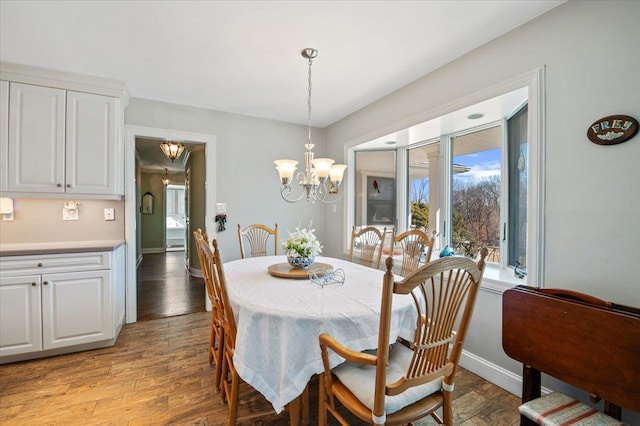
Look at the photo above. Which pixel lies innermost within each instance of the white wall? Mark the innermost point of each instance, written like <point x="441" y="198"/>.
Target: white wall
<point x="245" y="174"/>
<point x="590" y="51"/>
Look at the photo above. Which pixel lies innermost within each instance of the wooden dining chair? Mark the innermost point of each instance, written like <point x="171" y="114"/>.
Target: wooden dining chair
<point x="369" y="240"/>
<point x="216" y="335"/>
<point x="407" y="380"/>
<point x="413" y="244"/>
<point x="230" y="378"/>
<point x="257" y="235"/>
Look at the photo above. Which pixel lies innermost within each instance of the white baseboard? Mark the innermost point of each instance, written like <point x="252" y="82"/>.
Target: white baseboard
<point x="153" y="250"/>
<point x="492" y="372"/>
<point x="195" y="272"/>
<point x="497" y="375"/>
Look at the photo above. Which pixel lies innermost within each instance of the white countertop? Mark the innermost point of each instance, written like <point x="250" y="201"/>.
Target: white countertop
<point x="25" y="249"/>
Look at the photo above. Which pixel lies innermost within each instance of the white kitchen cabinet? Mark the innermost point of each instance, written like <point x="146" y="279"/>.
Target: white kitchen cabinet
<point x="20" y="315"/>
<point x="62" y="141"/>
<point x="61" y="134"/>
<point x="76" y="308"/>
<point x="92" y="144"/>
<point x="52" y="304"/>
<point x="4" y="132"/>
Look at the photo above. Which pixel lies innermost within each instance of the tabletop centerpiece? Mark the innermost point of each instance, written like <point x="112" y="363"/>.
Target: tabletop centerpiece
<point x="302" y="247"/>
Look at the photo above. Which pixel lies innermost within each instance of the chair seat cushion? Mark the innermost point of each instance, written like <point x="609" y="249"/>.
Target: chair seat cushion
<point x="559" y="409"/>
<point x="360" y="379"/>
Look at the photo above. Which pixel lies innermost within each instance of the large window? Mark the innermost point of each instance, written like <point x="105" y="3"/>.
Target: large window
<point x="423" y="185"/>
<point x="476" y="166"/>
<point x="465" y="175"/>
<point x="517" y="144"/>
<point x="375" y="173"/>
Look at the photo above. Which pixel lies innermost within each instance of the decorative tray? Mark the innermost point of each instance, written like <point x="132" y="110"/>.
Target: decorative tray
<point x="284" y="270"/>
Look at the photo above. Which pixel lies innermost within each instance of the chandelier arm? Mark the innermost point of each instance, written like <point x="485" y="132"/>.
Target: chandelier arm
<point x="325" y="191"/>
<point x="285" y="191"/>
<point x="332" y="200"/>
<point x="303" y="177"/>
<point x="321" y="193"/>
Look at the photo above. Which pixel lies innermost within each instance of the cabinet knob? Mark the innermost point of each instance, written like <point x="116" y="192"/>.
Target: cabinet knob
<point x="58" y="185"/>
<point x="45" y="282"/>
<point x="39" y="265"/>
<point x="68" y="185"/>
<point x="33" y="284"/>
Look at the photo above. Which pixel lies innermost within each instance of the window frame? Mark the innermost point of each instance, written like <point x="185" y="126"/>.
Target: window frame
<point x="447" y="191"/>
<point x="495" y="279"/>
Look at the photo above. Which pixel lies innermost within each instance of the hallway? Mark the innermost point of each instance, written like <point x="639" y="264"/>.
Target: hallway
<point x="165" y="288"/>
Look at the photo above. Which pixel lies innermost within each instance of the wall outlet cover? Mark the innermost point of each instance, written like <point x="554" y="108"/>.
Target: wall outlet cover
<point x="109" y="214"/>
<point x="68" y="214"/>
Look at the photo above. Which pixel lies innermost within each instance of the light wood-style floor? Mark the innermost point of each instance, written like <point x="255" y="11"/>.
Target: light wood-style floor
<point x="158" y="374"/>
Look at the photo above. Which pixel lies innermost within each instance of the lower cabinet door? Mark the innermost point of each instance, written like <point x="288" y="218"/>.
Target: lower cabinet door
<point x="76" y="308"/>
<point x="20" y="320"/>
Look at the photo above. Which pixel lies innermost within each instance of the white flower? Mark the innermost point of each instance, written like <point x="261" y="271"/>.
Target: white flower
<point x="302" y="243"/>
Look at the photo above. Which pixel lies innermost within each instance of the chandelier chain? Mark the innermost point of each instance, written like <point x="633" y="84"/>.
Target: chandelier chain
<point x="309" y="101"/>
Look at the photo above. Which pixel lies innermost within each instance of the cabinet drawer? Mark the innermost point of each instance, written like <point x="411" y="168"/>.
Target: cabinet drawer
<point x="21" y="265"/>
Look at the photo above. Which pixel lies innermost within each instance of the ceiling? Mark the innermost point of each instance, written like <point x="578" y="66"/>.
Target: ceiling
<point x="152" y="159"/>
<point x="244" y="56"/>
<point x="460" y="121"/>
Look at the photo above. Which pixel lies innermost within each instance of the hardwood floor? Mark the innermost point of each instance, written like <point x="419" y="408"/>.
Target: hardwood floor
<point x="158" y="374"/>
<point x="165" y="287"/>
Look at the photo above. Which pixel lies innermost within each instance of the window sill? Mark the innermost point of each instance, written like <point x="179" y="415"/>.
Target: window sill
<point x="497" y="280"/>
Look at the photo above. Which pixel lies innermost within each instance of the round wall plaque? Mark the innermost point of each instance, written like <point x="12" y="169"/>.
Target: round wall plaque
<point x="612" y="130"/>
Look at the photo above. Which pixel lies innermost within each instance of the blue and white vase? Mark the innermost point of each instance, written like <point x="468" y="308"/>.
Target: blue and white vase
<point x="300" y="262"/>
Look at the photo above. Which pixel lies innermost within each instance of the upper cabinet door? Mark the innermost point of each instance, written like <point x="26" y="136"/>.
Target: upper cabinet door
<point x="91" y="144"/>
<point x="4" y="133"/>
<point x="36" y="158"/>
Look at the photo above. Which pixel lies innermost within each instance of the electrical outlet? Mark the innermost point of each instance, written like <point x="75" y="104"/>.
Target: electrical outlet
<point x="109" y="214"/>
<point x="68" y="214"/>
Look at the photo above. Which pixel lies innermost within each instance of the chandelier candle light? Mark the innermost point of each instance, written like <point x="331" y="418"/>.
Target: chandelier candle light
<point x="321" y="176"/>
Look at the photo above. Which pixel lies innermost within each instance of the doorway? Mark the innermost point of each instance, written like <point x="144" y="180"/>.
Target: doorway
<point x="132" y="199"/>
<point x="176" y="217"/>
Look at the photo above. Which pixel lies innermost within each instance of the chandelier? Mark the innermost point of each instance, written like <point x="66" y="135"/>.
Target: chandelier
<point x="172" y="150"/>
<point x="165" y="178"/>
<point x="321" y="176"/>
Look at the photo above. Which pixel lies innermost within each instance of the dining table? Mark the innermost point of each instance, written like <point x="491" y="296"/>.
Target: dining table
<point x="280" y="312"/>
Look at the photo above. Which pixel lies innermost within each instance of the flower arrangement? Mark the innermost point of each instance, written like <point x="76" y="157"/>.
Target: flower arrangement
<point x="302" y="243"/>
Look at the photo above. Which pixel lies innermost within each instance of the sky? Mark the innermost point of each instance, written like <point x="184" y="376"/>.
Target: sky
<point x="483" y="165"/>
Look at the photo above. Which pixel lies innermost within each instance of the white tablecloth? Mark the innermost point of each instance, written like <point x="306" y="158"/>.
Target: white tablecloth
<point x="279" y="321"/>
